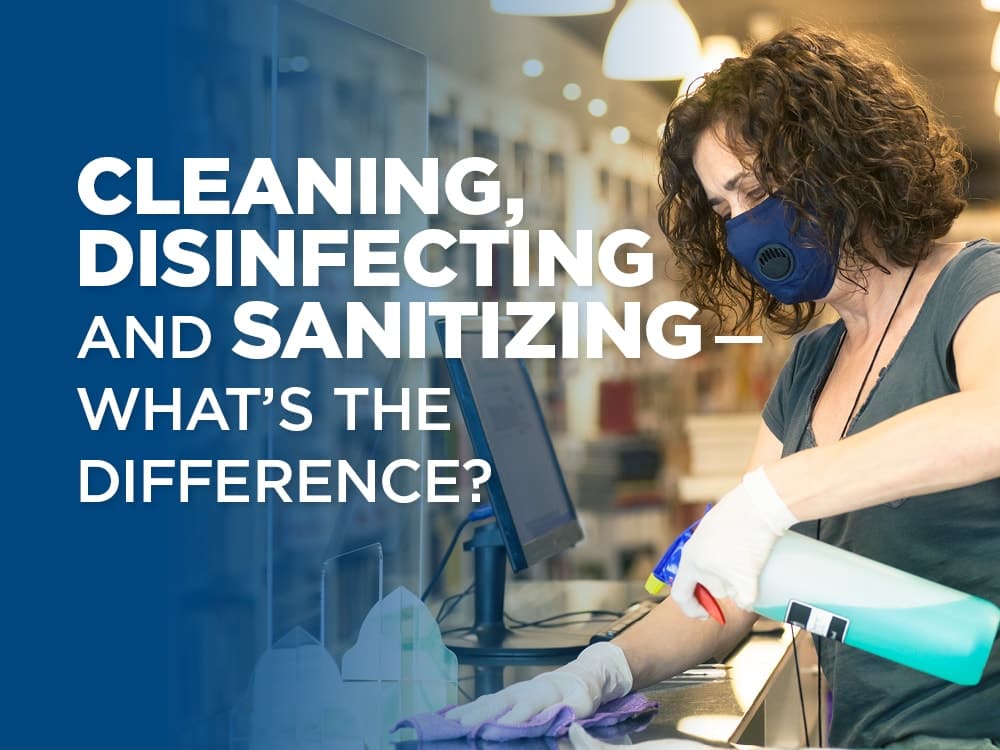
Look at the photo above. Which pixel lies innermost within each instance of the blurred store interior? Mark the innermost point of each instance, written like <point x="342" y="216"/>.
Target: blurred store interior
<point x="643" y="443"/>
<point x="639" y="440"/>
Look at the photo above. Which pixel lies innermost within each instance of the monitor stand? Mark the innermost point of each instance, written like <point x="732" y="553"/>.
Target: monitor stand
<point x="489" y="642"/>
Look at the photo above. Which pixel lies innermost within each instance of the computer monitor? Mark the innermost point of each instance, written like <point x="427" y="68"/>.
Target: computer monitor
<point x="535" y="517"/>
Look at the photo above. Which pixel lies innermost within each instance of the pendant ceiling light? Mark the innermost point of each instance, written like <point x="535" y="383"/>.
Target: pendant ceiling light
<point x="991" y="5"/>
<point x="651" y="40"/>
<point x="715" y="50"/>
<point x="551" y="7"/>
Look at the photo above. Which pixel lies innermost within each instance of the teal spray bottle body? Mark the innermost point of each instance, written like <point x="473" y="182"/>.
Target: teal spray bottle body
<point x="885" y="611"/>
<point x="877" y="608"/>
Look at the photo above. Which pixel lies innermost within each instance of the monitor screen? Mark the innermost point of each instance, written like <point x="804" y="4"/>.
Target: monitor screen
<point x="507" y="428"/>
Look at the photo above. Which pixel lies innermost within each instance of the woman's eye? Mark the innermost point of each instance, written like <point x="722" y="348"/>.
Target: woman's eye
<point x="722" y="210"/>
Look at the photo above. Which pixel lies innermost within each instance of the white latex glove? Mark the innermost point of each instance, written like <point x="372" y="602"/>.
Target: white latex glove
<point x="731" y="544"/>
<point x="599" y="674"/>
<point x="580" y="740"/>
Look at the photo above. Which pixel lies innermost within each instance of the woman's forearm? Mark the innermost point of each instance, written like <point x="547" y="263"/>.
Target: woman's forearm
<point x="667" y="642"/>
<point x="950" y="442"/>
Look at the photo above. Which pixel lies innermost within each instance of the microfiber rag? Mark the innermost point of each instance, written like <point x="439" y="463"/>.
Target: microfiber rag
<point x="552" y="722"/>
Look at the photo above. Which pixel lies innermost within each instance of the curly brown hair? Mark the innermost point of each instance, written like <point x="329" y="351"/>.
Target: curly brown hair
<point x="852" y="144"/>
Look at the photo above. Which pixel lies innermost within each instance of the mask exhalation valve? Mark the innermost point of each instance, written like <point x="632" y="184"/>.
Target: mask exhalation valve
<point x="775" y="262"/>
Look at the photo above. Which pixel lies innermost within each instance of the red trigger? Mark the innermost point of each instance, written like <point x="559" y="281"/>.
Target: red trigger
<point x="706" y="600"/>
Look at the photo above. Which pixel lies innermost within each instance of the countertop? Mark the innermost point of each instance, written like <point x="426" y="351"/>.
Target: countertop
<point x="749" y="697"/>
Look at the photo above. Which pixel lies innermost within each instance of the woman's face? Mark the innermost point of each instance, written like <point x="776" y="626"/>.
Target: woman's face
<point x="731" y="188"/>
<point x="766" y="248"/>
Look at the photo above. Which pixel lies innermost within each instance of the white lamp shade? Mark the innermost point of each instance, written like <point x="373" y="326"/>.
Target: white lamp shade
<point x="651" y="40"/>
<point x="715" y="49"/>
<point x="993" y="5"/>
<point x="995" y="57"/>
<point x="551" y="7"/>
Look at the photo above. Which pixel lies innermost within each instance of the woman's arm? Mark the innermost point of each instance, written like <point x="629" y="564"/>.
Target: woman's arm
<point x="666" y="642"/>
<point x="950" y="442"/>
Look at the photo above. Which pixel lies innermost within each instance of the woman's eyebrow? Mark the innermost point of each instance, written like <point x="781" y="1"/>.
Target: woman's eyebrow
<point x="730" y="184"/>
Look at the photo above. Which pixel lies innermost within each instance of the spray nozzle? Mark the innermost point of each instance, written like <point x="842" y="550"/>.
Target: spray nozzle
<point x="666" y="570"/>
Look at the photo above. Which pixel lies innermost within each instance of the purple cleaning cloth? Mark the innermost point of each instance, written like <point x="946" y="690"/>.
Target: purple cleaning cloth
<point x="552" y="722"/>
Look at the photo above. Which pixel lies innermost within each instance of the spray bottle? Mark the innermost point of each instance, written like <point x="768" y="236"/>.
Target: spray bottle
<point x="845" y="597"/>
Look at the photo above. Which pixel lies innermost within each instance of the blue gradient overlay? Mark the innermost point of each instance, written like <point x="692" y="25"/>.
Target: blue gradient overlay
<point x="141" y="625"/>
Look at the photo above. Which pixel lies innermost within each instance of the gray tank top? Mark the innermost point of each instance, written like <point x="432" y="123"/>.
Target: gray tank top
<point x="951" y="537"/>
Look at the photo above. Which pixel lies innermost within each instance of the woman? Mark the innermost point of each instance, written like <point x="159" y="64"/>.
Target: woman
<point x="813" y="172"/>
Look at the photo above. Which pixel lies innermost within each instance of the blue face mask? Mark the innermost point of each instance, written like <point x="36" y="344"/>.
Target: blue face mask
<point x="762" y="242"/>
